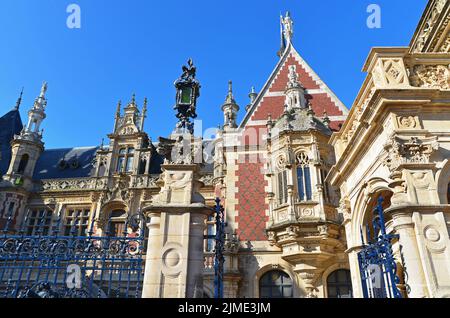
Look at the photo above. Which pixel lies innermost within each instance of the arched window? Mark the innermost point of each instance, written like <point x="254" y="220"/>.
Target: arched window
<point x="276" y="284"/>
<point x="339" y="284"/>
<point x="23" y="163"/>
<point x="303" y="178"/>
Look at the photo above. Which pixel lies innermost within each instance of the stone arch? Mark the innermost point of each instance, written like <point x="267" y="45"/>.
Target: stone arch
<point x="443" y="183"/>
<point x="366" y="200"/>
<point x="297" y="292"/>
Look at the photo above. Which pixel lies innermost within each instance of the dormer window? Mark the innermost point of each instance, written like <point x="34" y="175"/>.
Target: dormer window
<point x="304" y="189"/>
<point x="125" y="160"/>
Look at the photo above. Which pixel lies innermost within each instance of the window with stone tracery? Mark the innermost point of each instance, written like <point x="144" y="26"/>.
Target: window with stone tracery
<point x="125" y="160"/>
<point x="304" y="188"/>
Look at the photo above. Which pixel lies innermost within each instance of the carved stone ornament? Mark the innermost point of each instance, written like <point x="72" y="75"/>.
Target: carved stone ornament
<point x="429" y="24"/>
<point x="345" y="209"/>
<point x="272" y="237"/>
<point x="407" y="122"/>
<point x="412" y="151"/>
<point x="431" y="76"/>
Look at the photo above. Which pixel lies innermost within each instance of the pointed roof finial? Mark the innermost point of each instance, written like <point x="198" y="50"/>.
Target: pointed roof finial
<point x="326" y="120"/>
<point x="19" y="100"/>
<point x="230" y="97"/>
<point x="43" y="89"/>
<point x="119" y="106"/>
<point x="144" y="108"/>
<point x="133" y="98"/>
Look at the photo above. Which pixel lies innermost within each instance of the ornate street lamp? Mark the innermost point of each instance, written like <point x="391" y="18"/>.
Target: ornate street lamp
<point x="188" y="90"/>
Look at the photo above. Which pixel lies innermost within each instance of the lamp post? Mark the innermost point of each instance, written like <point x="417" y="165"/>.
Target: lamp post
<point x="188" y="90"/>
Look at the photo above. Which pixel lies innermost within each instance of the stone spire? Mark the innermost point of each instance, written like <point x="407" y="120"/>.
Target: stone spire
<point x="19" y="101"/>
<point x="35" y="116"/>
<point x="143" y="115"/>
<point x="230" y="109"/>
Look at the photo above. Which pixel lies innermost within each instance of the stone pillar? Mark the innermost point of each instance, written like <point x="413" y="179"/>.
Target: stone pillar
<point x="404" y="226"/>
<point x="175" y="263"/>
<point x="152" y="276"/>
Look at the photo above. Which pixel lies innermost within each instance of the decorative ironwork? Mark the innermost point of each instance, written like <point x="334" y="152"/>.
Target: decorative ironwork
<point x="219" y="249"/>
<point x="188" y="90"/>
<point x="71" y="266"/>
<point x="376" y="261"/>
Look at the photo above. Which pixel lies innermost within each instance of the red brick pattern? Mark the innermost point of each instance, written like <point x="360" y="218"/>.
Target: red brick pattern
<point x="280" y="83"/>
<point x="251" y="208"/>
<point x="275" y="105"/>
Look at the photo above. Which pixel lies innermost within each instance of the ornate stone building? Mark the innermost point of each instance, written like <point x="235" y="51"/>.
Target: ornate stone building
<point x="298" y="177"/>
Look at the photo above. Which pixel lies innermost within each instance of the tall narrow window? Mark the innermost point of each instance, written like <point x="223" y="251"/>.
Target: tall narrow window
<point x="130" y="158"/>
<point x="78" y="220"/>
<point x="23" y="164"/>
<point x="210" y="230"/>
<point x="282" y="190"/>
<point x="39" y="222"/>
<point x="121" y="160"/>
<point x="303" y="178"/>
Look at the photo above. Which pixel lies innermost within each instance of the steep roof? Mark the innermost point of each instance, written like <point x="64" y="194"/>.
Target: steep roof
<point x="271" y="98"/>
<point x="78" y="163"/>
<point x="10" y="125"/>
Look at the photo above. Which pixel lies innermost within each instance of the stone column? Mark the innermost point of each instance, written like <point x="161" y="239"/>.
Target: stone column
<point x="404" y="226"/>
<point x="196" y="260"/>
<point x="152" y="277"/>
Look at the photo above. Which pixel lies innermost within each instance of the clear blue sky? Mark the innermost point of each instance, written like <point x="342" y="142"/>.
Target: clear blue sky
<point x="140" y="45"/>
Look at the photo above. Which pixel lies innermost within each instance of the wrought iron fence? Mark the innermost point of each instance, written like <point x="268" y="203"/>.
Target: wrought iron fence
<point x="71" y="266"/>
<point x="377" y="264"/>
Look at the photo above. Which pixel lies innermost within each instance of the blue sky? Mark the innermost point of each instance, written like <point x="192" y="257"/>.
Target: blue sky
<point x="140" y="45"/>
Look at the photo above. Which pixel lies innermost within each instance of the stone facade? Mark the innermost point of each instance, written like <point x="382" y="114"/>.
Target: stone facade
<point x="298" y="177"/>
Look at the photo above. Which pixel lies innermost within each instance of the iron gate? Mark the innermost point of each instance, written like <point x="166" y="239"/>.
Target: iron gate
<point x="72" y="266"/>
<point x="376" y="261"/>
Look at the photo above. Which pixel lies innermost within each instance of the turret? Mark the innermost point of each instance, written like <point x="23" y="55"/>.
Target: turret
<point x="28" y="146"/>
<point x="230" y="109"/>
<point x="295" y="93"/>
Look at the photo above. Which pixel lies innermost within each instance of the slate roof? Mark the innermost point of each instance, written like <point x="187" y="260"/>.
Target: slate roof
<point x="10" y="125"/>
<point x="78" y="163"/>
